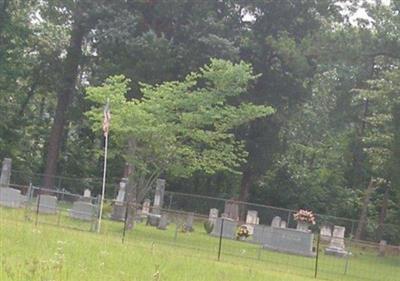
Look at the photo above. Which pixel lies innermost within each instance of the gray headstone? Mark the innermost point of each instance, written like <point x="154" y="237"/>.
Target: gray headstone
<point x="118" y="211"/>
<point x="382" y="248"/>
<point x="336" y="246"/>
<point x="5" y="173"/>
<point x="326" y="233"/>
<point x="231" y="210"/>
<point x="11" y="197"/>
<point x="82" y="210"/>
<point x="283" y="224"/>
<point x="146" y="207"/>
<point x="159" y="196"/>
<point x="229" y="229"/>
<point x="276" y="222"/>
<point x="47" y="204"/>
<point x="163" y="222"/>
<point x="290" y="240"/>
<point x="188" y="225"/>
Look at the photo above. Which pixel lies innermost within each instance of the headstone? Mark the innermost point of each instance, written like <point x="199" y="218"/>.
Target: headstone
<point x="11" y="197"/>
<point x="163" y="222"/>
<point x="382" y="248"/>
<point x="213" y="215"/>
<point x="303" y="226"/>
<point x="326" y="233"/>
<point x="82" y="210"/>
<point x="118" y="212"/>
<point x="5" y="173"/>
<point x="231" y="210"/>
<point x="87" y="193"/>
<point x="158" y="202"/>
<point x="276" y="222"/>
<point x="188" y="225"/>
<point x="251" y="220"/>
<point x="159" y="196"/>
<point x="336" y="246"/>
<point x="146" y="207"/>
<point x="251" y="217"/>
<point x="121" y="191"/>
<point x="283" y="224"/>
<point x="229" y="229"/>
<point x="47" y="204"/>
<point x="290" y="240"/>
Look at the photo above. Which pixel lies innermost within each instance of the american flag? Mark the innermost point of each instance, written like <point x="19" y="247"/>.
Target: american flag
<point x="106" y="120"/>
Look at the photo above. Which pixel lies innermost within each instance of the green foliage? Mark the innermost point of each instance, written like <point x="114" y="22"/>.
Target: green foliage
<point x="181" y="127"/>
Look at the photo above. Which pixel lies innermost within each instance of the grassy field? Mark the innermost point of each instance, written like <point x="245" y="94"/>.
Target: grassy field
<point x="49" y="252"/>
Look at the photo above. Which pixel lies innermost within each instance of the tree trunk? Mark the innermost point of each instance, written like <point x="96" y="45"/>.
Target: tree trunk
<point x="382" y="215"/>
<point x="70" y="72"/>
<point x="364" y="210"/>
<point x="247" y="181"/>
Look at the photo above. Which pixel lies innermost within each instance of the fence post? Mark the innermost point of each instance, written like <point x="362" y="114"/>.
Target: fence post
<point x="317" y="256"/>
<point x="346" y="266"/>
<point x="37" y="206"/>
<point x="125" y="220"/>
<point x="220" y="238"/>
<point x="261" y="246"/>
<point x="28" y="201"/>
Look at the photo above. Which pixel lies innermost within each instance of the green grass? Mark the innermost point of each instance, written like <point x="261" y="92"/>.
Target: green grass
<point x="48" y="252"/>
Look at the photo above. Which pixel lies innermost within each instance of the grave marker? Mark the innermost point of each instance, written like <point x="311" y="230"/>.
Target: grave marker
<point x="188" y="225"/>
<point x="336" y="246"/>
<point x="276" y="221"/>
<point x="118" y="212"/>
<point x="229" y="229"/>
<point x="47" y="204"/>
<point x="11" y="197"/>
<point x="213" y="215"/>
<point x="5" y="173"/>
<point x="82" y="210"/>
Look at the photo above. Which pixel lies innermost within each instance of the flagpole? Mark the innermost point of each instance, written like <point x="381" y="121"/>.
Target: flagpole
<point x="103" y="189"/>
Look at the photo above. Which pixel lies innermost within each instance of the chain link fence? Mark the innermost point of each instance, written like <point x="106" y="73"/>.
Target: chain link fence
<point x="184" y="222"/>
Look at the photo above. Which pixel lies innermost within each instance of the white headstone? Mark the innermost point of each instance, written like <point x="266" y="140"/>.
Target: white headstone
<point x="87" y="193"/>
<point x="213" y="215"/>
<point x="121" y="192"/>
<point x="251" y="217"/>
<point x="336" y="246"/>
<point x="276" y="222"/>
<point x="283" y="224"/>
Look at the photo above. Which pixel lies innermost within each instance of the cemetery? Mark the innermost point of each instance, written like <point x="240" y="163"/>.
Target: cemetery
<point x="275" y="243"/>
<point x="200" y="140"/>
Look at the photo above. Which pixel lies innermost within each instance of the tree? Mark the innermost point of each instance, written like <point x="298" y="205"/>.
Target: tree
<point x="180" y="127"/>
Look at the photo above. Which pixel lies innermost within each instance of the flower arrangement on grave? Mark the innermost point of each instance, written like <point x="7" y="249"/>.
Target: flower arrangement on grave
<point x="304" y="216"/>
<point x="242" y="232"/>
